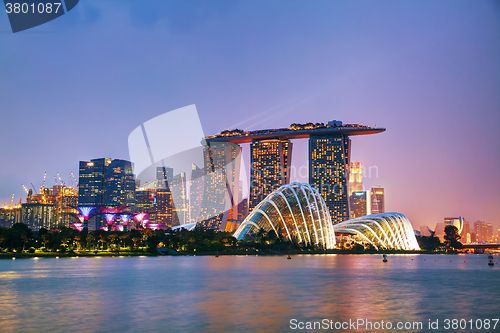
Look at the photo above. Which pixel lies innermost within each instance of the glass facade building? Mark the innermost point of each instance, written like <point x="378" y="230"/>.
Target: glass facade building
<point x="222" y="161"/>
<point x="355" y="178"/>
<point x="382" y="231"/>
<point x="105" y="182"/>
<point x="377" y="200"/>
<point x="296" y="212"/>
<point x="328" y="168"/>
<point x="357" y="202"/>
<point x="270" y="167"/>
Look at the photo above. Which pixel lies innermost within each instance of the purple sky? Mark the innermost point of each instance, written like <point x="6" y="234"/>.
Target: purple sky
<point x="429" y="71"/>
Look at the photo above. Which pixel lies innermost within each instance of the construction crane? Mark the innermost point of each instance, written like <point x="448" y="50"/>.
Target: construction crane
<point x="34" y="188"/>
<point x="11" y="201"/>
<point x="25" y="189"/>
<point x="60" y="180"/>
<point x="55" y="179"/>
<point x="74" y="178"/>
<point x="43" y="184"/>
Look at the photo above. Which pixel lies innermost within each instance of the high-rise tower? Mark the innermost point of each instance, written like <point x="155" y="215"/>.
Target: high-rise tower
<point x="355" y="177"/>
<point x="328" y="167"/>
<point x="270" y="167"/>
<point x="377" y="200"/>
<point x="220" y="194"/>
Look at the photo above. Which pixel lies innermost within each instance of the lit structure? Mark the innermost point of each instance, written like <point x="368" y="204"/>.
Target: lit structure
<point x="105" y="182"/>
<point x="328" y="168"/>
<point x="382" y="231"/>
<point x="180" y="214"/>
<point x="377" y="200"/>
<point x="296" y="212"/>
<point x="125" y="218"/>
<point x="141" y="218"/>
<point x="357" y="203"/>
<point x="270" y="167"/>
<point x="355" y="178"/>
<point x="110" y="217"/>
<point x="222" y="162"/>
<point x="329" y="151"/>
<point x="109" y="213"/>
<point x="164" y="205"/>
<point x="86" y="212"/>
<point x="120" y="183"/>
<point x="195" y="192"/>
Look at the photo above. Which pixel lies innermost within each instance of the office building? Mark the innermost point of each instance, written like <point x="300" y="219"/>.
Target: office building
<point x="377" y="203"/>
<point x="220" y="192"/>
<point x="164" y="175"/>
<point x="355" y="178"/>
<point x="120" y="183"/>
<point x="164" y="205"/>
<point x="180" y="214"/>
<point x="105" y="182"/>
<point x="358" y="204"/>
<point x="195" y="192"/>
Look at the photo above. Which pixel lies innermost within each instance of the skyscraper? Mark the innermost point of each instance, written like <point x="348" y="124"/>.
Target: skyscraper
<point x="92" y="181"/>
<point x="164" y="175"/>
<point x="270" y="167"/>
<point x="355" y="177"/>
<point x="104" y="181"/>
<point x="220" y="192"/>
<point x="328" y="163"/>
<point x="357" y="201"/>
<point x="164" y="204"/>
<point x="120" y="183"/>
<point x="180" y="214"/>
<point x="195" y="192"/>
<point x="377" y="200"/>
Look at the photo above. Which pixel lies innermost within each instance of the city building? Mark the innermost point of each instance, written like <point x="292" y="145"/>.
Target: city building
<point x="195" y="192"/>
<point x="38" y="215"/>
<point x="164" y="205"/>
<point x="377" y="200"/>
<point x="180" y="214"/>
<point x="120" y="183"/>
<point x="295" y="212"/>
<point x="270" y="167"/>
<point x="357" y="202"/>
<point x="164" y="175"/>
<point x="328" y="168"/>
<point x="329" y="151"/>
<point x="104" y="181"/>
<point x="10" y="215"/>
<point x="222" y="161"/>
<point x="355" y="178"/>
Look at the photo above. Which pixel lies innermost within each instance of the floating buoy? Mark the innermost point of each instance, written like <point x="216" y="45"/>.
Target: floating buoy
<point x="490" y="263"/>
<point x="435" y="260"/>
<point x="424" y="259"/>
<point x="450" y="260"/>
<point x="289" y="257"/>
<point x="385" y="258"/>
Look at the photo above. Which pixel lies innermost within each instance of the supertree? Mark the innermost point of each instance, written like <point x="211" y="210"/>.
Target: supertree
<point x="86" y="212"/>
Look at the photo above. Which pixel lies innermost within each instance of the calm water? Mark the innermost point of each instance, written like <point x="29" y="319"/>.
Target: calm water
<point x="244" y="293"/>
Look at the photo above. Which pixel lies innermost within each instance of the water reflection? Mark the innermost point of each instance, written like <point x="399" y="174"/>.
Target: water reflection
<point x="246" y="293"/>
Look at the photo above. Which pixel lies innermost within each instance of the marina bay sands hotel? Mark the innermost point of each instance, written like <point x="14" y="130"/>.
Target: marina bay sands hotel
<point x="271" y="156"/>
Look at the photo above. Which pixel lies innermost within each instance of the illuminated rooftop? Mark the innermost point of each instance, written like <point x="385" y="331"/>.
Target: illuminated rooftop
<point x="295" y="131"/>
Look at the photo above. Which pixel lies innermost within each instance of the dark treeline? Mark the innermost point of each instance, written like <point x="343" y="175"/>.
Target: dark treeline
<point x="19" y="238"/>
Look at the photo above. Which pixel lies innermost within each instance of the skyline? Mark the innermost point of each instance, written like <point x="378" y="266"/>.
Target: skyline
<point x="425" y="72"/>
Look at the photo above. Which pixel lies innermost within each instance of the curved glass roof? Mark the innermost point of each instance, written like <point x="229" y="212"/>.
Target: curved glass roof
<point x="382" y="231"/>
<point x="295" y="212"/>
